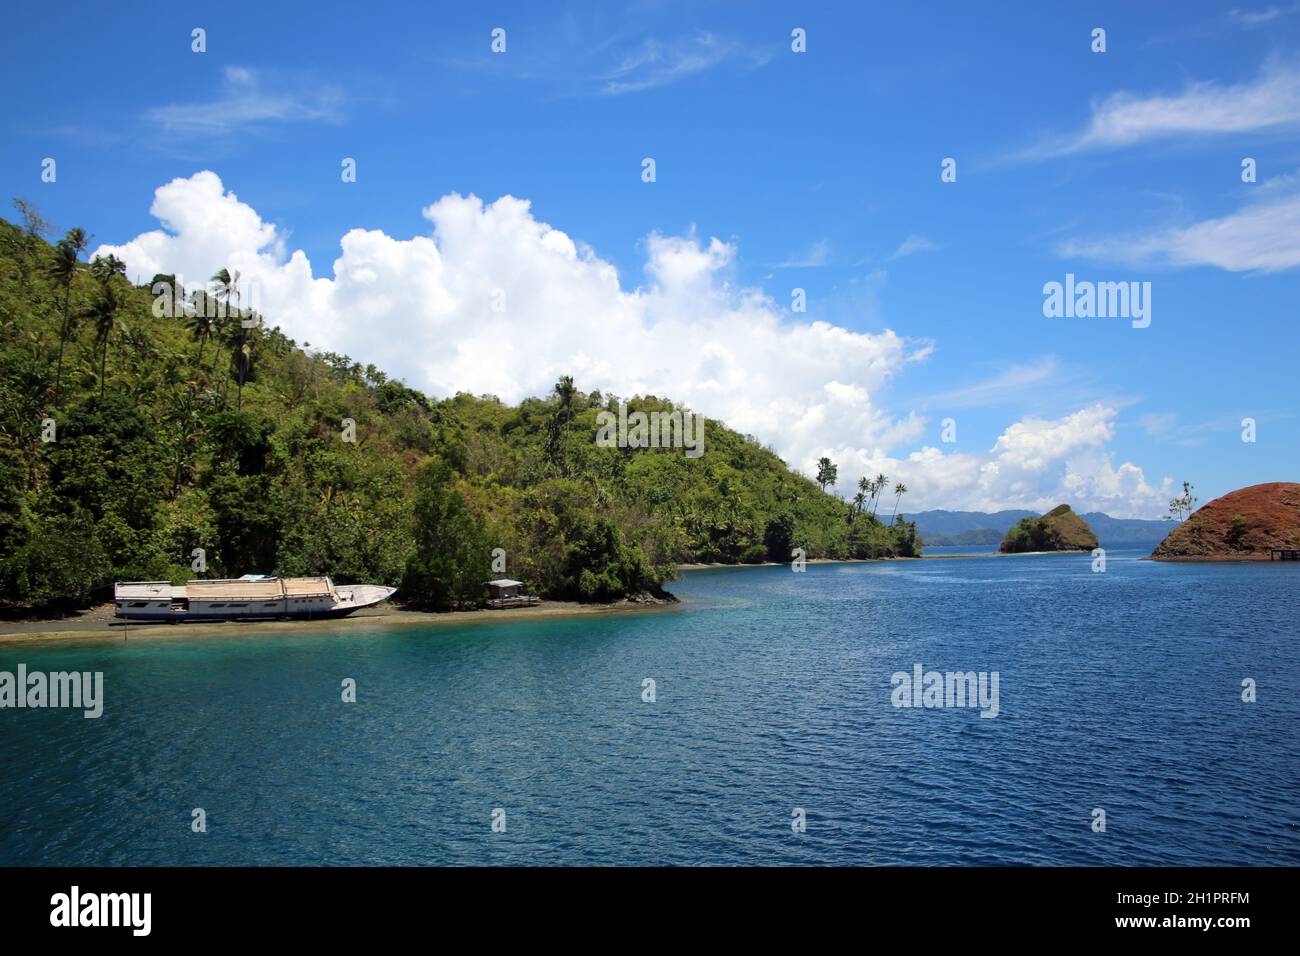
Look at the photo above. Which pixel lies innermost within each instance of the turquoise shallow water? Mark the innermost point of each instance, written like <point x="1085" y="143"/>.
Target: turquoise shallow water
<point x="1119" y="690"/>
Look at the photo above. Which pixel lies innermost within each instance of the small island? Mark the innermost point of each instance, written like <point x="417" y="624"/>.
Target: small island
<point x="1058" y="530"/>
<point x="1248" y="524"/>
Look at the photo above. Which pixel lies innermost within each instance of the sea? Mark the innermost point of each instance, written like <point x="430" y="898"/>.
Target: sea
<point x="1144" y="714"/>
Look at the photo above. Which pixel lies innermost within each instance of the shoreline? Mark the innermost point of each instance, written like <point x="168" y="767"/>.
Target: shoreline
<point x="98" y="624"/>
<point x="924" y="557"/>
<point x="1249" y="558"/>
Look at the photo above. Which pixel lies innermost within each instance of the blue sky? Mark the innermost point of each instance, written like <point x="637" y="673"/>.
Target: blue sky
<point x="817" y="171"/>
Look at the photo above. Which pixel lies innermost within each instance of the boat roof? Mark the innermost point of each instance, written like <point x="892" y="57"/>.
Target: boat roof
<point x="249" y="587"/>
<point x="303" y="587"/>
<point x="505" y="583"/>
<point x="207" y="590"/>
<point x="146" y="591"/>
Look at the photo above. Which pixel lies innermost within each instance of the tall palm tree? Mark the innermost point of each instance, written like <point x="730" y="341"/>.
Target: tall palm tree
<point x="200" y="328"/>
<point x="564" y="391"/>
<point x="864" y="489"/>
<point x="104" y="268"/>
<point x="900" y="489"/>
<point x="559" y="424"/>
<point x="62" y="271"/>
<point x="225" y="286"/>
<point x="882" y="485"/>
<point x="103" y="311"/>
<point x="243" y="360"/>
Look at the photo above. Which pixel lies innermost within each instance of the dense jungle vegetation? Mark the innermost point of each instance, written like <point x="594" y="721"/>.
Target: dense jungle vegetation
<point x="129" y="440"/>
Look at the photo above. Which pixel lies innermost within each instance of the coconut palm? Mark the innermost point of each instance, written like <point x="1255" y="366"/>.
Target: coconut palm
<point x="900" y="489"/>
<point x="104" y="268"/>
<point x="103" y="312"/>
<point x="882" y="485"/>
<point x="200" y="328"/>
<point x="864" y="491"/>
<point x="243" y="361"/>
<point x="557" y="428"/>
<point x="62" y="271"/>
<point x="225" y="286"/>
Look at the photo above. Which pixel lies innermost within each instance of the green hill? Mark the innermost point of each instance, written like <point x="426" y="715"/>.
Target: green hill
<point x="133" y="444"/>
<point x="1058" y="530"/>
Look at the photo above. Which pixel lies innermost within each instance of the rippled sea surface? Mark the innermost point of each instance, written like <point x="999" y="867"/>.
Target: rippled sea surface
<point x="1120" y="691"/>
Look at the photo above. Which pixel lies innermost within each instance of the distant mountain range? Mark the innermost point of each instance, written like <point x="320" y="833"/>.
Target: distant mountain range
<point x="943" y="528"/>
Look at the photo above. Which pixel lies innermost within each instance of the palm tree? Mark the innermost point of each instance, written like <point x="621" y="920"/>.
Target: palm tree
<point x="225" y="286"/>
<point x="62" y="270"/>
<point x="864" y="489"/>
<point x="243" y="359"/>
<point x="900" y="489"/>
<point x="104" y="268"/>
<point x="104" y="313"/>
<point x="564" y="391"/>
<point x="200" y="328"/>
<point x="882" y="485"/>
<point x="559" y="425"/>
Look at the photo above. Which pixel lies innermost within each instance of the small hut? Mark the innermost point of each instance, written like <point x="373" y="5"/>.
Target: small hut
<point x="508" y="593"/>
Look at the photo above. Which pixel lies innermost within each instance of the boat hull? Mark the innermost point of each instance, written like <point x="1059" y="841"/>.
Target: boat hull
<point x="259" y="616"/>
<point x="158" y="601"/>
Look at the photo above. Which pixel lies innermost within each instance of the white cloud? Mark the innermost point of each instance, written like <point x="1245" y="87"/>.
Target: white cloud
<point x="818" y="254"/>
<point x="912" y="245"/>
<point x="1269" y="102"/>
<point x="1009" y="384"/>
<point x="422" y="309"/>
<point x="1035" y="464"/>
<point x="656" y="63"/>
<point x="1249" y="19"/>
<point x="246" y="102"/>
<point x="1262" y="236"/>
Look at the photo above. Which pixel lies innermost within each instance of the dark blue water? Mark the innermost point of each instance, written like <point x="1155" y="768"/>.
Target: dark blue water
<point x="1119" y="691"/>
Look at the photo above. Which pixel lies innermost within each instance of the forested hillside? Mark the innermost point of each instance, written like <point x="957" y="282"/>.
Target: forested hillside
<point x="130" y="440"/>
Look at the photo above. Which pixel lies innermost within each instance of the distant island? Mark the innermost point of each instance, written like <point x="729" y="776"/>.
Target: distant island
<point x="1246" y="524"/>
<point x="975" y="537"/>
<point x="942" y="528"/>
<point x="1058" y="530"/>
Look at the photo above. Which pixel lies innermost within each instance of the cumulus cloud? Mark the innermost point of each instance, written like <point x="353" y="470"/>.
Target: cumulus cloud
<point x="495" y="301"/>
<point x="1035" y="463"/>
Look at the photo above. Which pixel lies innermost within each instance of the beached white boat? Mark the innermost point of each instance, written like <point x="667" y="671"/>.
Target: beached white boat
<point x="252" y="596"/>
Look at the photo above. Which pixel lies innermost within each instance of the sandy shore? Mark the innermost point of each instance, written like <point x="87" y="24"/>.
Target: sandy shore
<point x="98" y="623"/>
